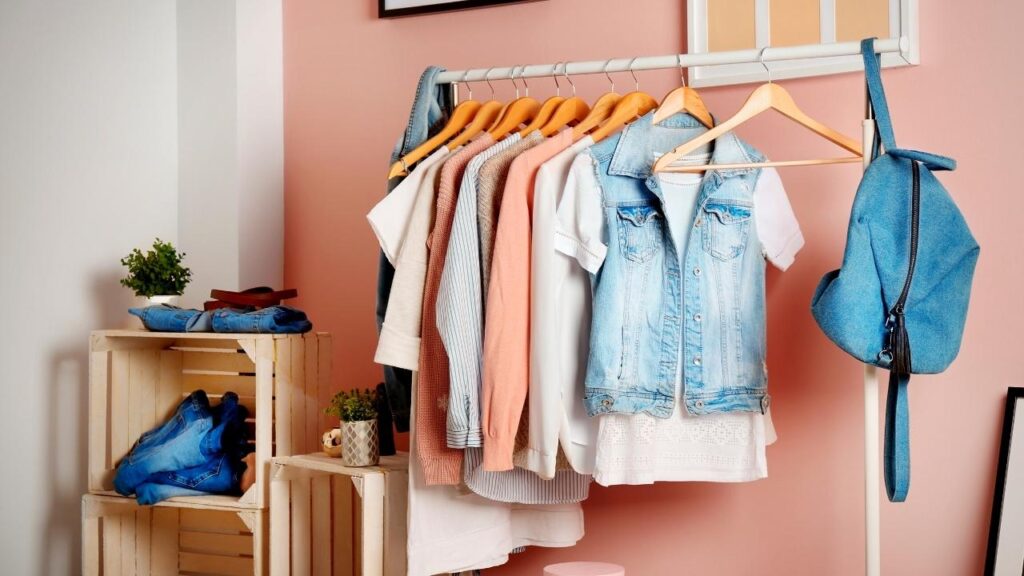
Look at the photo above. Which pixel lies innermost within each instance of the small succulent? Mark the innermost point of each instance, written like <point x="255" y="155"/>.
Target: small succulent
<point x="158" y="272"/>
<point x="353" y="406"/>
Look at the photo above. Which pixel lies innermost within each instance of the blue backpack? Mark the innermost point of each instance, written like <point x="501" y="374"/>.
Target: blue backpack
<point x="906" y="275"/>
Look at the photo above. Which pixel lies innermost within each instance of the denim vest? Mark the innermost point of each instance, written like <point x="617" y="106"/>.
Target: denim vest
<point x="430" y="110"/>
<point x="650" y="314"/>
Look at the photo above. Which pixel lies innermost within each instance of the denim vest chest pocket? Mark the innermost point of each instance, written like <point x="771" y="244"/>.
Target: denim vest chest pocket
<point x="727" y="225"/>
<point x="639" y="231"/>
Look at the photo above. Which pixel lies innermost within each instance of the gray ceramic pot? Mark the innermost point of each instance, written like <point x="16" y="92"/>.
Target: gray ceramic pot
<point x="360" y="444"/>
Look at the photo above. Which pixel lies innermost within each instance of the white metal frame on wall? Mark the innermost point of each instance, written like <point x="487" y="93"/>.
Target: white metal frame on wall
<point x="902" y="22"/>
<point x="898" y="48"/>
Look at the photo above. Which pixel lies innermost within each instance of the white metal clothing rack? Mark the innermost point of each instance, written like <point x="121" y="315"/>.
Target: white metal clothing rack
<point x="872" y="532"/>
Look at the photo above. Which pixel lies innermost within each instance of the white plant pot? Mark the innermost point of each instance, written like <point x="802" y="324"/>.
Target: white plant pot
<point x="360" y="444"/>
<point x="154" y="300"/>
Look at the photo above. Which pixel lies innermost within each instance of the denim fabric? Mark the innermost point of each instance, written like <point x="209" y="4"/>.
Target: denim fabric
<point x="430" y="109"/>
<point x="218" y="475"/>
<point x="270" y="320"/>
<point x="861" y="307"/>
<point x="167" y="318"/>
<point x="191" y="438"/>
<point x="647" y="309"/>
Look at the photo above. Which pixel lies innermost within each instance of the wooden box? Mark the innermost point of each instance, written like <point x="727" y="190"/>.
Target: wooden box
<point x="121" y="538"/>
<point x="328" y="519"/>
<point x="138" y="378"/>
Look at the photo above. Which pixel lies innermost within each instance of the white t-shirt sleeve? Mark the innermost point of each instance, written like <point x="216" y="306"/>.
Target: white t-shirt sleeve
<point x="777" y="227"/>
<point x="579" y="231"/>
<point x="390" y="217"/>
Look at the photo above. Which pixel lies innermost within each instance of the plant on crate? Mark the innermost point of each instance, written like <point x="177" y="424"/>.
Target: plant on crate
<point x="356" y="439"/>
<point x="158" y="274"/>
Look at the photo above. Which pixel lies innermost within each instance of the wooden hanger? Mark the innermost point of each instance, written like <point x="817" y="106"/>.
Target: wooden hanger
<point x="683" y="99"/>
<point x="520" y="111"/>
<point x="484" y="119"/>
<point x="572" y="110"/>
<point x="601" y="110"/>
<point x="546" y="117"/>
<point x="765" y="97"/>
<point x="461" y="116"/>
<point x="629" y="108"/>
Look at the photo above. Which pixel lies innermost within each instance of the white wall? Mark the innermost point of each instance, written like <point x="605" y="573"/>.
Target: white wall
<point x="88" y="170"/>
<point x="102" y="148"/>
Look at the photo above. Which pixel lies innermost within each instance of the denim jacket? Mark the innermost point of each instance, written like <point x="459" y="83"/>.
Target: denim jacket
<point x="648" y="313"/>
<point x="430" y="109"/>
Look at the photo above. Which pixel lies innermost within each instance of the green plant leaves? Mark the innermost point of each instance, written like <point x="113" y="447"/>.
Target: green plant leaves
<point x="158" y="272"/>
<point x="353" y="406"/>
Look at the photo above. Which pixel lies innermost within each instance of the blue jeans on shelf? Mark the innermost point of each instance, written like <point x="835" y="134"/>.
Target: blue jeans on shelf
<point x="219" y="475"/>
<point x="270" y="320"/>
<point x="193" y="437"/>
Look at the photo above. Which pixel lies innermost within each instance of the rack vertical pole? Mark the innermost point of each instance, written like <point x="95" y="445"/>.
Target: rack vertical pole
<point x="872" y="496"/>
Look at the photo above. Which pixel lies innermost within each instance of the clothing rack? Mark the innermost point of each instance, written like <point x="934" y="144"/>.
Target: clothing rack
<point x="872" y="456"/>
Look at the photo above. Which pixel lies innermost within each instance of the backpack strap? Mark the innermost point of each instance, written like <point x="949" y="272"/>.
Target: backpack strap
<point x="897" y="438"/>
<point x="876" y="93"/>
<point x="883" y="121"/>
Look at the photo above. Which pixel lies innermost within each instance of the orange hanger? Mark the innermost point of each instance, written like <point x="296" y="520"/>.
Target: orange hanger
<point x="766" y="97"/>
<point x="601" y="109"/>
<point x="460" y="118"/>
<point x="489" y="112"/>
<point x="630" y="107"/>
<point x="683" y="99"/>
<point x="520" y="111"/>
<point x="572" y="111"/>
<point x="547" y="109"/>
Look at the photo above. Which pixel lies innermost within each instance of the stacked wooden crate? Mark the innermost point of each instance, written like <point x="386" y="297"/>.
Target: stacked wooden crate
<point x="136" y="380"/>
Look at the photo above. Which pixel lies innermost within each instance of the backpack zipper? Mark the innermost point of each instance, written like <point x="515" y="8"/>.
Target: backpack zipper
<point x="898" y="346"/>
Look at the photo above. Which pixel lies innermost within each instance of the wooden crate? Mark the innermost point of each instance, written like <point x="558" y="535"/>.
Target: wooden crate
<point x="121" y="538"/>
<point x="137" y="379"/>
<point x="327" y="519"/>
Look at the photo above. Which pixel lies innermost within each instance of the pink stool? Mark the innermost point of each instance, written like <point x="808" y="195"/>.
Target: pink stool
<point x="584" y="569"/>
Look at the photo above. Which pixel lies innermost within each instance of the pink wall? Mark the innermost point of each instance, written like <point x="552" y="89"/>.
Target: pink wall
<point x="349" y="79"/>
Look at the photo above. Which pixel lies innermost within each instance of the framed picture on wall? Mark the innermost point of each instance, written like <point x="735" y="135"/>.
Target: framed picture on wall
<point x="395" y="8"/>
<point x="723" y="25"/>
<point x="1006" y="533"/>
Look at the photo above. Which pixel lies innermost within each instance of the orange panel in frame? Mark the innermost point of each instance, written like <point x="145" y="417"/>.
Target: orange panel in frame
<point x="731" y="25"/>
<point x="856" y="19"/>
<point x="795" y="22"/>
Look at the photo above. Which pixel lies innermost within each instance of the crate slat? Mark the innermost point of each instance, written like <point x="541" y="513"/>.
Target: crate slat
<point x="311" y="382"/>
<point x="324" y="385"/>
<point x="164" y="557"/>
<point x="202" y="362"/>
<point x="210" y="564"/>
<point x="223" y="544"/>
<point x="298" y="414"/>
<point x="219" y="383"/>
<point x="301" y="540"/>
<point x="283" y="401"/>
<point x="119" y="374"/>
<point x="143" y="541"/>
<point x="321" y="527"/>
<point x="344" y="537"/>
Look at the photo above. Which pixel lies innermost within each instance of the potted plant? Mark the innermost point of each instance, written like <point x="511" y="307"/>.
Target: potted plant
<point x="157" y="275"/>
<point x="357" y="435"/>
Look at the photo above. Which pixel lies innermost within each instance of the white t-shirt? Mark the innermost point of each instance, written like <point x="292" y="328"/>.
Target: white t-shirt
<point x="390" y="217"/>
<point x="559" y="335"/>
<point x="642" y="449"/>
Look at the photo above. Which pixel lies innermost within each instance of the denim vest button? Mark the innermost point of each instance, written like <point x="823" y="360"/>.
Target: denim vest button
<point x="606" y="402"/>
<point x="697" y="317"/>
<point x="696" y="360"/>
<point x="698" y="404"/>
<point x="696" y="271"/>
<point x="697" y="223"/>
<point x="766" y="401"/>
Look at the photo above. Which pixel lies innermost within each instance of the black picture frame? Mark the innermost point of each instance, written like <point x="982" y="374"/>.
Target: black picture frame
<point x="1013" y="396"/>
<point x="384" y="12"/>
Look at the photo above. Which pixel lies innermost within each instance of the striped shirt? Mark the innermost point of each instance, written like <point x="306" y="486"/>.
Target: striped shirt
<point x="521" y="486"/>
<point x="441" y="464"/>
<point x="460" y="307"/>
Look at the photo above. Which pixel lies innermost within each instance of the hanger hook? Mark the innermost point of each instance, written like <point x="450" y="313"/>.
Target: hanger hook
<point x="487" y="78"/>
<point x="469" y="87"/>
<point x="607" y="75"/>
<point x="512" y="77"/>
<point x="522" y="76"/>
<point x="682" y="76"/>
<point x="554" y="76"/>
<point x="636" y="81"/>
<point x="565" y="72"/>
<point x="760" y="59"/>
